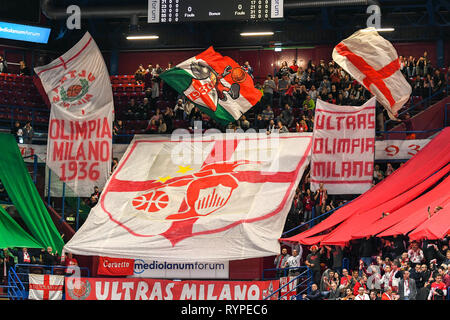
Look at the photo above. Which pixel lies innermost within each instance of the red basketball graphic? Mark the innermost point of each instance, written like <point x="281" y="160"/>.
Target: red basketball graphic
<point x="238" y="75"/>
<point x="153" y="201"/>
<point x="74" y="90"/>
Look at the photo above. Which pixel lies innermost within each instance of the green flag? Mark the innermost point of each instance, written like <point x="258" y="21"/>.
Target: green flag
<point x="24" y="195"/>
<point x="12" y="235"/>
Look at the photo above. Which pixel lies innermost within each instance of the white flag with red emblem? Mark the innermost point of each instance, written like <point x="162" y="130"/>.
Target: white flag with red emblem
<point x="82" y="107"/>
<point x="374" y="63"/>
<point x="45" y="287"/>
<point x="221" y="197"/>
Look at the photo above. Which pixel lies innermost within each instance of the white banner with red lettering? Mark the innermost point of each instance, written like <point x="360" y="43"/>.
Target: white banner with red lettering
<point x="398" y="149"/>
<point x="79" y="144"/>
<point x="200" y="197"/>
<point x="343" y="147"/>
<point x="45" y="287"/>
<point x="158" y="289"/>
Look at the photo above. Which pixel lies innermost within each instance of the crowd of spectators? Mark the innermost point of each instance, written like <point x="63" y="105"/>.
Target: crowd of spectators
<point x="292" y="91"/>
<point x="34" y="260"/>
<point x="23" y="134"/>
<point x="377" y="269"/>
<point x="391" y="268"/>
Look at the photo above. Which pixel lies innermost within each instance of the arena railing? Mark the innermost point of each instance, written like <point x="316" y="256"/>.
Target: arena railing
<point x="20" y="281"/>
<point x="15" y="288"/>
<point x="425" y="102"/>
<point x="303" y="282"/>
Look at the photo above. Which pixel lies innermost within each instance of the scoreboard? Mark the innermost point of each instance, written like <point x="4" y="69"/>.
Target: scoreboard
<point x="176" y="11"/>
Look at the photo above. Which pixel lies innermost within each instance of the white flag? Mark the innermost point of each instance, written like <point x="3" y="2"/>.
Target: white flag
<point x="80" y="127"/>
<point x="343" y="147"/>
<point x="45" y="287"/>
<point x="218" y="198"/>
<point x="374" y="63"/>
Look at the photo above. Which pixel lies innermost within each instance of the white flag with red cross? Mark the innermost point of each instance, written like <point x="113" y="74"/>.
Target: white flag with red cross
<point x="374" y="63"/>
<point x="222" y="197"/>
<point x="45" y="287"/>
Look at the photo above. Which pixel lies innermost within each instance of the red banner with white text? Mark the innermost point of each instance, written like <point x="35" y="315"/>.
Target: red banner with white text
<point x="157" y="289"/>
<point x="115" y="266"/>
<point x="343" y="147"/>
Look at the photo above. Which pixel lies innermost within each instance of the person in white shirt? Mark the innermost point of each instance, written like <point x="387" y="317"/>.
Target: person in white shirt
<point x="293" y="262"/>
<point x="415" y="254"/>
<point x="389" y="279"/>
<point x="362" y="295"/>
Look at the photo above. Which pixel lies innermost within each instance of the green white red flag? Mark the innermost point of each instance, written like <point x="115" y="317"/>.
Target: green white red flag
<point x="216" y="84"/>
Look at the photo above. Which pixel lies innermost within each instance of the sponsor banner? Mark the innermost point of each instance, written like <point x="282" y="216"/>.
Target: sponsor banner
<point x="45" y="287"/>
<point x="277" y="10"/>
<point x="22" y="32"/>
<point x="115" y="266"/>
<point x="79" y="144"/>
<point x="182" y="270"/>
<point x="153" y="11"/>
<point x="398" y="149"/>
<point x="157" y="289"/>
<point x="343" y="147"/>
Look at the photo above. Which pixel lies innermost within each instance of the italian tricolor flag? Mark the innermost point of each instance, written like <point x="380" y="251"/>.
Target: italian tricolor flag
<point x="217" y="85"/>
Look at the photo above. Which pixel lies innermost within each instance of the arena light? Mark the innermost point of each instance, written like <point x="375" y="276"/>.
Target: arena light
<point x="257" y="34"/>
<point x="385" y="29"/>
<point x="143" y="37"/>
<point x="380" y="29"/>
<point x="278" y="49"/>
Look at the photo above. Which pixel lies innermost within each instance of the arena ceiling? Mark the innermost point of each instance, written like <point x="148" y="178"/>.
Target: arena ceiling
<point x="305" y="23"/>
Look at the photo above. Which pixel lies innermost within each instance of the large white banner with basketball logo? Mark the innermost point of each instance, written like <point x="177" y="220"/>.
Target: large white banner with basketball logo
<point x="343" y="147"/>
<point x="209" y="198"/>
<point x="80" y="127"/>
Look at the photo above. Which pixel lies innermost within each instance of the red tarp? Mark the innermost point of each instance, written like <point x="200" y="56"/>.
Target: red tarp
<point x="406" y="209"/>
<point x="433" y="157"/>
<point x="398" y="208"/>
<point x="436" y="227"/>
<point x="410" y="218"/>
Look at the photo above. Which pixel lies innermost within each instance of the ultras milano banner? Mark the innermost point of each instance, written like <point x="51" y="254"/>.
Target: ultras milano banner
<point x="157" y="289"/>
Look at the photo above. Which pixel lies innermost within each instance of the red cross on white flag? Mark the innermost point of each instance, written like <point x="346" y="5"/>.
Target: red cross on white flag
<point x="374" y="63"/>
<point x="45" y="287"/>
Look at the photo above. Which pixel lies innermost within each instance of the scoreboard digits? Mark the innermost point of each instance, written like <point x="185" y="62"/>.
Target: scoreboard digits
<point x="174" y="11"/>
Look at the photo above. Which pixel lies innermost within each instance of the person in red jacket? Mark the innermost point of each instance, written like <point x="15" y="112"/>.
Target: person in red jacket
<point x="308" y="204"/>
<point x="388" y="295"/>
<point x="438" y="290"/>
<point x="361" y="283"/>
